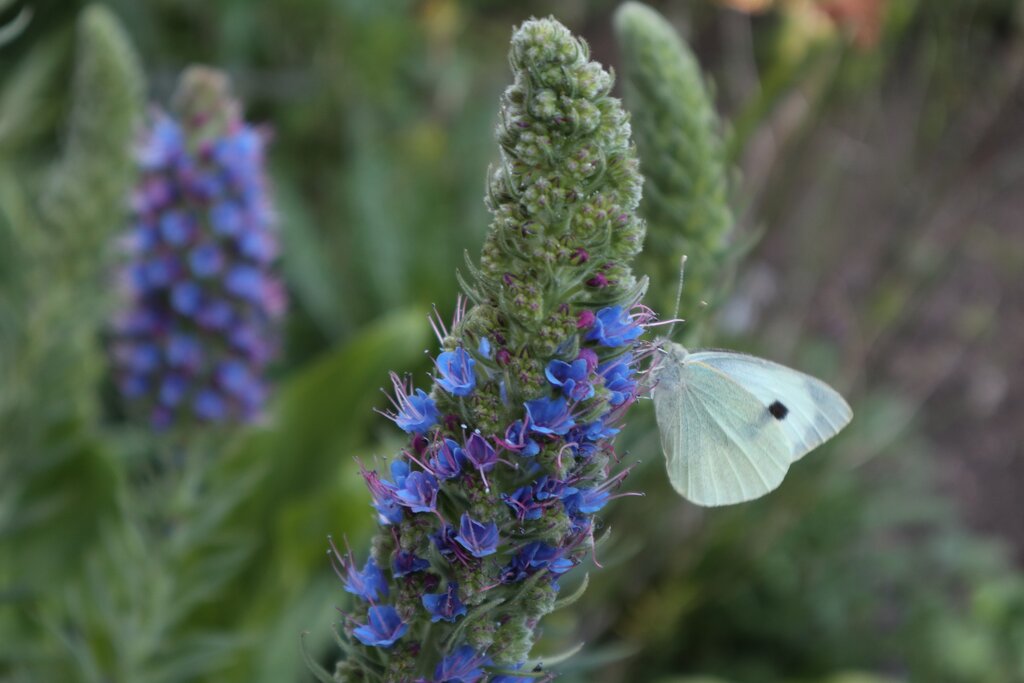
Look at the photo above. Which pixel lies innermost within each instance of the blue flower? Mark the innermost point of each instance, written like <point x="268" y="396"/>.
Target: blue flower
<point x="484" y="347"/>
<point x="478" y="538"/>
<point x="464" y="665"/>
<point x="455" y="370"/>
<point x="209" y="405"/>
<point x="549" y="416"/>
<point x="571" y="378"/>
<point x="419" y="492"/>
<point x="447" y="460"/>
<point x="368" y="583"/>
<point x="517" y="439"/>
<point x="419" y="413"/>
<point x="585" y="501"/>
<point x="226" y="219"/>
<point x="245" y="282"/>
<point x="384" y="627"/>
<point x="216" y="314"/>
<point x="142" y="357"/>
<point x="206" y="260"/>
<point x="614" y="327"/>
<point x="549" y="488"/>
<point x="415" y="412"/>
<point x="406" y="563"/>
<point x="523" y="504"/>
<point x="585" y="440"/>
<point x="444" y="606"/>
<point x="173" y="390"/>
<point x="444" y="541"/>
<point x="534" y="557"/>
<point x="176" y="228"/>
<point x="385" y="498"/>
<point x="162" y="146"/>
<point x="618" y="379"/>
<point x="184" y="351"/>
<point x="399" y="472"/>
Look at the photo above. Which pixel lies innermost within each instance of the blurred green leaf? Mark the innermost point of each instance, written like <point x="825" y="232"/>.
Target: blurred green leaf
<point x="310" y="486"/>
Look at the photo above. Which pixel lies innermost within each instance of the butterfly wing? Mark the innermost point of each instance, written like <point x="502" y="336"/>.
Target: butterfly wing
<point x="721" y="446"/>
<point x="809" y="411"/>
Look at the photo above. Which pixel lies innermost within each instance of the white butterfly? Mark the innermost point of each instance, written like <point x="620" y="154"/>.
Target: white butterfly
<point x="732" y="424"/>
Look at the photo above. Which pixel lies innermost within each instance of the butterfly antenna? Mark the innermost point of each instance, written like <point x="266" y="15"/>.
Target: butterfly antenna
<point x="679" y="296"/>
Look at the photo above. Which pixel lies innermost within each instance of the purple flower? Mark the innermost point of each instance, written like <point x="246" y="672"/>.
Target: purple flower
<point x="614" y="327"/>
<point x="571" y="378"/>
<point x="549" y="416"/>
<point x="478" y="538"/>
<point x="406" y="563"/>
<point x="480" y="453"/>
<point x="385" y="498"/>
<point x="418" y="492"/>
<point x="455" y="370"/>
<point x="444" y="606"/>
<point x="384" y="627"/>
<point x="618" y="379"/>
<point x="464" y="665"/>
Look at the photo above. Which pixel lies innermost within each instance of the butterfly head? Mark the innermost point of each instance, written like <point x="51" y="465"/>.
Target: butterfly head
<point x="673" y="352"/>
<point x="666" y="354"/>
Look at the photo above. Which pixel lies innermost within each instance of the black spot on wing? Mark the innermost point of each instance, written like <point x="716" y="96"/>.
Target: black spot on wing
<point x="778" y="410"/>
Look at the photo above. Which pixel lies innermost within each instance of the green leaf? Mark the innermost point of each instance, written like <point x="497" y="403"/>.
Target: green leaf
<point x="310" y="486"/>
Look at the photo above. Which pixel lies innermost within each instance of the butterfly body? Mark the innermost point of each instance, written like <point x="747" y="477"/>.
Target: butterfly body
<point x="732" y="424"/>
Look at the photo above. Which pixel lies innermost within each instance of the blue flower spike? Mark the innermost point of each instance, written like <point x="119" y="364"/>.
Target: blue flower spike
<point x="508" y="457"/>
<point x="187" y="282"/>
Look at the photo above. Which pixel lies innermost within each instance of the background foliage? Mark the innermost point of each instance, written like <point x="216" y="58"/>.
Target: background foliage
<point x="872" y="172"/>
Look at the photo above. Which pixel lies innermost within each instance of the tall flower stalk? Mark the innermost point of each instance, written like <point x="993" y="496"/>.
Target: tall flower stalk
<point x="510" y="456"/>
<point x="201" y="321"/>
<point x="683" y="159"/>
